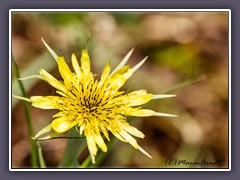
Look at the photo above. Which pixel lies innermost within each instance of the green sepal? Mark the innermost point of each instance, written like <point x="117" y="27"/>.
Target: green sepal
<point x="43" y="131"/>
<point x="50" y="50"/>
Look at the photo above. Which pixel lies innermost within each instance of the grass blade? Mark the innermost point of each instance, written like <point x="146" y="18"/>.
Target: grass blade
<point x="28" y="118"/>
<point x="73" y="149"/>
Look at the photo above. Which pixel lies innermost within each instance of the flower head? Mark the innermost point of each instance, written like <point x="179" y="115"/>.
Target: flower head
<point x="95" y="107"/>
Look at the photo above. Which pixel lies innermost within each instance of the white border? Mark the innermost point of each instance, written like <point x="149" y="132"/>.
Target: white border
<point x="120" y="10"/>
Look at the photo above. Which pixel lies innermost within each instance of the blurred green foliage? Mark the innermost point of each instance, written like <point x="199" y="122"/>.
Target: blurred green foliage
<point x="177" y="57"/>
<point x="62" y="19"/>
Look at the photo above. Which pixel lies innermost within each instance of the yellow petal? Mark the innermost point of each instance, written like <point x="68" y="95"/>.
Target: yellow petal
<point x="62" y="124"/>
<point x="134" y="131"/>
<point x="99" y="140"/>
<point x="105" y="72"/>
<point x="124" y="61"/>
<point x="64" y="70"/>
<point x="120" y="77"/>
<point x="140" y="112"/>
<point x="119" y="72"/>
<point x="76" y="65"/>
<point x="135" y="100"/>
<point x="85" y="62"/>
<point x="119" y="137"/>
<point x="105" y="132"/>
<point x="81" y="129"/>
<point x="92" y="147"/>
<point x="59" y="114"/>
<point x="129" y="138"/>
<point x="46" y="102"/>
<point x="133" y="142"/>
<point x="51" y="80"/>
<point x="139" y="92"/>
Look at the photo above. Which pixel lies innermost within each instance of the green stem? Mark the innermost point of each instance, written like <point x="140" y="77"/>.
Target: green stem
<point x="86" y="162"/>
<point x="184" y="84"/>
<point x="28" y="118"/>
<point x="101" y="156"/>
<point x="40" y="156"/>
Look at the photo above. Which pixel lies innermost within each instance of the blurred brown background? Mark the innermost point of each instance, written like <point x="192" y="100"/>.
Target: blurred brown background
<point x="181" y="46"/>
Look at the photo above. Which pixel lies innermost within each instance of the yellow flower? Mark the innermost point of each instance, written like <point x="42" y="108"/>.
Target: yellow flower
<point x="95" y="107"/>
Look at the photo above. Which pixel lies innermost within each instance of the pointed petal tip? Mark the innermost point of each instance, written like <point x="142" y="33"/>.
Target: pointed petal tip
<point x="22" y="98"/>
<point x="144" y="152"/>
<point x="173" y="115"/>
<point x="131" y="50"/>
<point x="123" y="62"/>
<point x="15" y="96"/>
<point x="171" y="95"/>
<point x="44" y="42"/>
<point x="93" y="159"/>
<point x="29" y="77"/>
<point x="136" y="67"/>
<point x="144" y="59"/>
<point x="42" y="39"/>
<point x="165" y="114"/>
<point x="50" y="49"/>
<point x="162" y="96"/>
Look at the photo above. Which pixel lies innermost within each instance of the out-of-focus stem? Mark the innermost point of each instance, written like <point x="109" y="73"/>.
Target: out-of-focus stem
<point x="34" y="160"/>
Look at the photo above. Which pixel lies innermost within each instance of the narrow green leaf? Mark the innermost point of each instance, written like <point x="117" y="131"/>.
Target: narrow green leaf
<point x="34" y="160"/>
<point x="73" y="149"/>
